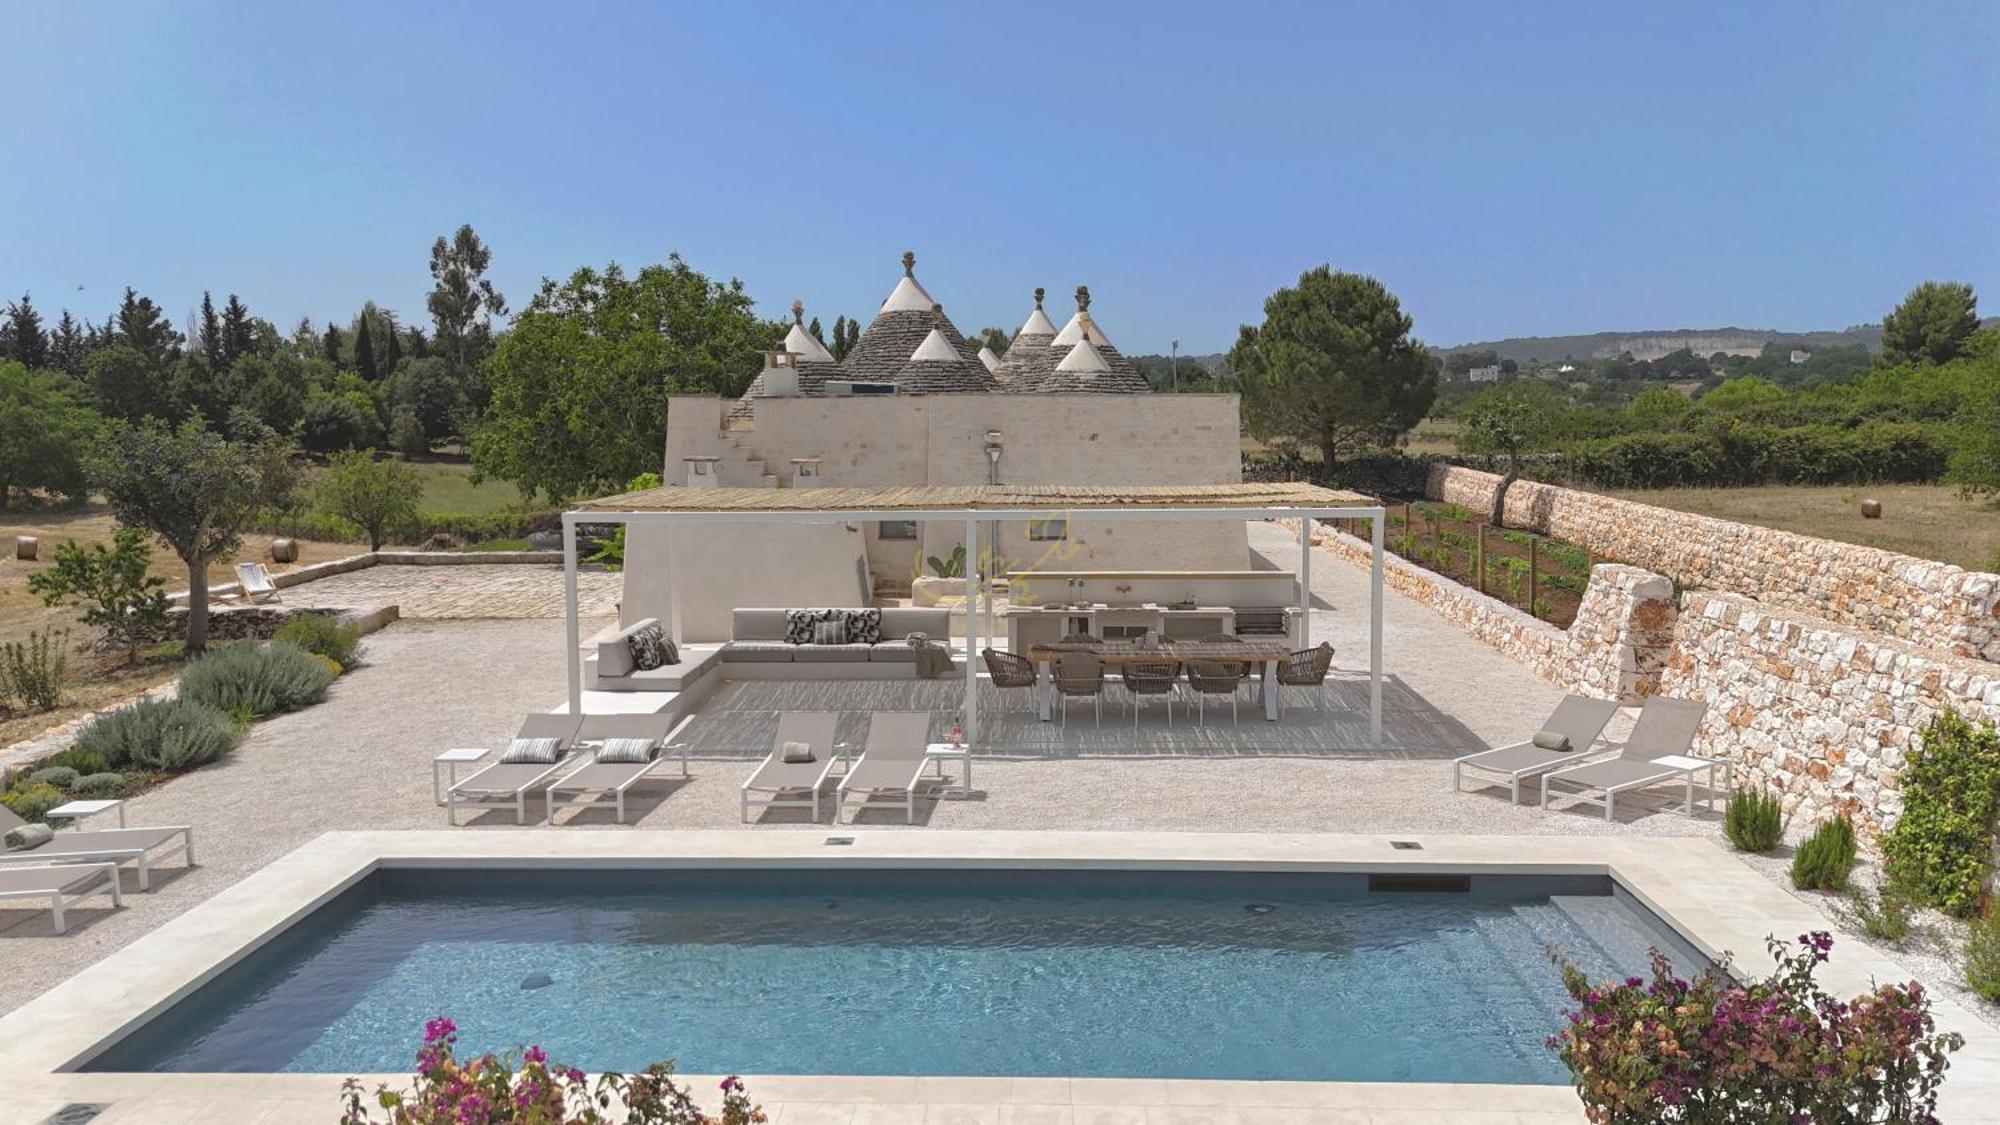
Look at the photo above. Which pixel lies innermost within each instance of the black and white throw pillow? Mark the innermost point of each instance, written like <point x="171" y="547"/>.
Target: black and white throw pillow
<point x="626" y="751"/>
<point x="832" y="631"/>
<point x="864" y="626"/>
<point x="800" y="624"/>
<point x="532" y="752"/>
<point x="648" y="645"/>
<point x="670" y="653"/>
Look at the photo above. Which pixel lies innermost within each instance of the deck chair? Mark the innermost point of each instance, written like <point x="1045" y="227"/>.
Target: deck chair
<point x="612" y="779"/>
<point x="1665" y="727"/>
<point x="778" y="777"/>
<point x="63" y="885"/>
<point x="254" y="583"/>
<point x="509" y="783"/>
<point x="142" y="847"/>
<point x="891" y="763"/>
<point x="1577" y="718"/>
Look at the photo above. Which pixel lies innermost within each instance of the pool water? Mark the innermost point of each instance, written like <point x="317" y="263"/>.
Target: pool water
<point x="1077" y="973"/>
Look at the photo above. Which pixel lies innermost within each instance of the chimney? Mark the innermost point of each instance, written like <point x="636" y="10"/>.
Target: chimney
<point x="781" y="374"/>
<point x="701" y="472"/>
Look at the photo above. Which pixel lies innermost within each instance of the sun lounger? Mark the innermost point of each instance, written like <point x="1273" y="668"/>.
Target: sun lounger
<point x="779" y="777"/>
<point x="509" y="783"/>
<point x="891" y="762"/>
<point x="254" y="583"/>
<point x="1665" y="727"/>
<point x="1576" y="718"/>
<point x="612" y="779"/>
<point x="63" y="885"/>
<point x="142" y="847"/>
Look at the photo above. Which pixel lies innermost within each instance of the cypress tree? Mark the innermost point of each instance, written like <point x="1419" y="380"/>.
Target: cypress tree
<point x="22" y="337"/>
<point x="67" y="346"/>
<point x="211" y="335"/>
<point x="238" y="332"/>
<point x="364" y="348"/>
<point x="815" y="330"/>
<point x="329" y="344"/>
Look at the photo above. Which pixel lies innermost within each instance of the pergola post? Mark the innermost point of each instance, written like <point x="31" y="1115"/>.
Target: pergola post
<point x="1375" y="524"/>
<point x="972" y="581"/>
<point x="573" y="628"/>
<point x="1305" y="580"/>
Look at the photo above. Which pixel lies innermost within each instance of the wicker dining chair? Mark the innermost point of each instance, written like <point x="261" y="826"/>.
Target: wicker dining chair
<point x="1079" y="675"/>
<point x="1241" y="668"/>
<point x="1208" y="679"/>
<point x="1305" y="668"/>
<point x="1151" y="678"/>
<point x="1010" y="670"/>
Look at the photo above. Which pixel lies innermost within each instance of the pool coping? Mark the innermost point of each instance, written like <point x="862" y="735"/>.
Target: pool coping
<point x="1716" y="903"/>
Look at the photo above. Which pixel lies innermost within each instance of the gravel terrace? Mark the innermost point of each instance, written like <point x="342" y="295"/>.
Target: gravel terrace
<point x="362" y="759"/>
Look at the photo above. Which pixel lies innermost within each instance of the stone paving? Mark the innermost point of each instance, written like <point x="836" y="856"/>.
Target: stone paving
<point x="524" y="590"/>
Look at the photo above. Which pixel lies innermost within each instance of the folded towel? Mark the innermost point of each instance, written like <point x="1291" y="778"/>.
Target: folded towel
<point x="1551" y="740"/>
<point x="933" y="660"/>
<point x="796" y="751"/>
<point x="28" y="836"/>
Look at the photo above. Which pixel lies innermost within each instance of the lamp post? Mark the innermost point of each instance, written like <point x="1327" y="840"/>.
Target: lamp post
<point x="1174" y="362"/>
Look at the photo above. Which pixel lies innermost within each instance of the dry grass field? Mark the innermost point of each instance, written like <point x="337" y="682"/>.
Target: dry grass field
<point x="1929" y="521"/>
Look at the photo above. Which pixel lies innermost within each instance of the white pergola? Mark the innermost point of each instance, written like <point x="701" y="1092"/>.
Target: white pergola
<point x="973" y="505"/>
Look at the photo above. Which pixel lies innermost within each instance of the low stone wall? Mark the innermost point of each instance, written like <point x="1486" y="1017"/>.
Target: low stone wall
<point x="1824" y="715"/>
<point x="1614" y="649"/>
<point x="298" y="576"/>
<point x="1932" y="604"/>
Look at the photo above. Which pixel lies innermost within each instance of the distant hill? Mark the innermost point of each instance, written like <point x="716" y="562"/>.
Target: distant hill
<point x="1654" y="344"/>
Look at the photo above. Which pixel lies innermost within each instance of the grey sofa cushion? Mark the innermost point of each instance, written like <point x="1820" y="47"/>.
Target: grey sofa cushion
<point x="897" y="651"/>
<point x="757" y="624"/>
<point x="759" y="652"/>
<point x="831" y="654"/>
<point x="900" y="621"/>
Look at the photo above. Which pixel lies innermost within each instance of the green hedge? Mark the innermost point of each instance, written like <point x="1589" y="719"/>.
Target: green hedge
<point x="459" y="525"/>
<point x="251" y="680"/>
<point x="1877" y="453"/>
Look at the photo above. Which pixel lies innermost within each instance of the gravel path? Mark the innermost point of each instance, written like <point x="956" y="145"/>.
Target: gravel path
<point x="362" y="759"/>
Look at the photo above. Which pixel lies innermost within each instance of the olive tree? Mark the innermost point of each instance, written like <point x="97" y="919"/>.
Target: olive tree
<point x="376" y="496"/>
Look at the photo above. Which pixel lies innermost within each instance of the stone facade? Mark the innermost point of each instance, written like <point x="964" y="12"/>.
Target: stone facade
<point x="1615" y="649"/>
<point x="1823" y="715"/>
<point x="1931" y="604"/>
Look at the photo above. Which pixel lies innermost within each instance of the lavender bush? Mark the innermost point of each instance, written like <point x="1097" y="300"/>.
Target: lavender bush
<point x="1779" y="1051"/>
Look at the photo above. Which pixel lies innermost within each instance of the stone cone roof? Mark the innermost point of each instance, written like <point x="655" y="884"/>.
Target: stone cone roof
<point x="987" y="357"/>
<point x="906" y="318"/>
<point x="1028" y="356"/>
<point x="936" y="366"/>
<point x="1044" y="371"/>
<point x="803" y="343"/>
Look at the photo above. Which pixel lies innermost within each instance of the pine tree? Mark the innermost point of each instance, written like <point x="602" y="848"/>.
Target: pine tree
<point x="22" y="337"/>
<point x="392" y="344"/>
<point x="239" y="332"/>
<point x="142" y="325"/>
<point x="839" y="346"/>
<point x="68" y="347"/>
<point x="816" y="333"/>
<point x="853" y="335"/>
<point x="329" y="344"/>
<point x="364" y="347"/>
<point x="463" y="302"/>
<point x="415" y="345"/>
<point x="211" y="334"/>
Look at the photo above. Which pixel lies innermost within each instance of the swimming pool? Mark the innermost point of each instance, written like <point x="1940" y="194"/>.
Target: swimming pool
<point x="1081" y="973"/>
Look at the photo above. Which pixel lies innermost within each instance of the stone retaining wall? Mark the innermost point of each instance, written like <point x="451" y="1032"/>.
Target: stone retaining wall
<point x="1824" y="715"/>
<point x="286" y="579"/>
<point x="1614" y="649"/>
<point x="1932" y="604"/>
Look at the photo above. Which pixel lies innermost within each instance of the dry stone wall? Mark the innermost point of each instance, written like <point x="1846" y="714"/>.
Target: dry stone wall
<point x="1615" y="649"/>
<point x="1825" y="716"/>
<point x="1932" y="604"/>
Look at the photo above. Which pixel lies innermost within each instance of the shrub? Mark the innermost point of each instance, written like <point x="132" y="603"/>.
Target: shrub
<point x="1754" y="820"/>
<point x="1941" y="848"/>
<point x="62" y="777"/>
<point x="256" y="680"/>
<point x="1884" y="916"/>
<point x="375" y="496"/>
<point x="1777" y="1049"/>
<point x="100" y="785"/>
<point x="33" y="800"/>
<point x="82" y="761"/>
<point x="117" y="595"/>
<point x="1982" y="956"/>
<point x="36" y="671"/>
<point x="1826" y="858"/>
<point x="321" y="634"/>
<point x="176" y="734"/>
<point x="450" y="1091"/>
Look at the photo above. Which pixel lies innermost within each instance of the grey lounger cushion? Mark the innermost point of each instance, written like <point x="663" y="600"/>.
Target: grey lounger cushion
<point x="894" y="756"/>
<point x="107" y="840"/>
<point x="64" y="878"/>
<point x="815" y="728"/>
<point x="758" y="652"/>
<point x="832" y="654"/>
<point x="505" y="778"/>
<point x="1578" y="718"/>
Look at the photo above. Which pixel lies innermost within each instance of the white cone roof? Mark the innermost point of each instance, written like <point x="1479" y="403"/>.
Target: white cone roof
<point x="801" y="343"/>
<point x="1080" y="326"/>
<point x="1083" y="359"/>
<point x="935" y="347"/>
<point x="987" y="357"/>
<point x="908" y="296"/>
<point x="1037" y="324"/>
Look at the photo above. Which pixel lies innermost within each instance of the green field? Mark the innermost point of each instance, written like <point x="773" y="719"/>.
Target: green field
<point x="1930" y="521"/>
<point x="448" y="487"/>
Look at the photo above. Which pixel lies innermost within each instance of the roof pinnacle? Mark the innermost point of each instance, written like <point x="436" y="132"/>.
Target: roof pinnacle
<point x="1083" y="298"/>
<point x="798" y="311"/>
<point x="1038" y="296"/>
<point x="909" y="263"/>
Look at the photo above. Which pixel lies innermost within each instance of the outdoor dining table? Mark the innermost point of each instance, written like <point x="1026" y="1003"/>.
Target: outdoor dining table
<point x="1267" y="654"/>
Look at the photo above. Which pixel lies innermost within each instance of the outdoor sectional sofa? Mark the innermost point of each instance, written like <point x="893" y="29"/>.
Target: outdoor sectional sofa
<point x="757" y="650"/>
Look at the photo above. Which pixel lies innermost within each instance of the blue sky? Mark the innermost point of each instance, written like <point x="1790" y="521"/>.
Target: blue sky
<point x="1507" y="169"/>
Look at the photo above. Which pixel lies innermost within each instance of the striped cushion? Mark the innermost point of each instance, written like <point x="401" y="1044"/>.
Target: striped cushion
<point x="626" y="750"/>
<point x="532" y="752"/>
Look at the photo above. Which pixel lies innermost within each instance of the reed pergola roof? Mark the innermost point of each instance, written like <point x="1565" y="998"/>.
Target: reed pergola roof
<point x="982" y="499"/>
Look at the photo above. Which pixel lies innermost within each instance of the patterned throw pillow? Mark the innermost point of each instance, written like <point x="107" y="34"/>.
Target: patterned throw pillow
<point x="532" y="752"/>
<point x="648" y="647"/>
<point x="864" y="626"/>
<point x="670" y="653"/>
<point x="830" y="632"/>
<point x="626" y="750"/>
<point x="800" y="624"/>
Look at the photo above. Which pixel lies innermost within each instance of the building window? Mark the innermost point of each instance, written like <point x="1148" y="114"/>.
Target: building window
<point x="1048" y="529"/>
<point x="896" y="529"/>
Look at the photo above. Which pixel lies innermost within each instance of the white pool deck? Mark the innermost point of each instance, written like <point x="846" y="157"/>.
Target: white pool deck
<point x="1718" y="905"/>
